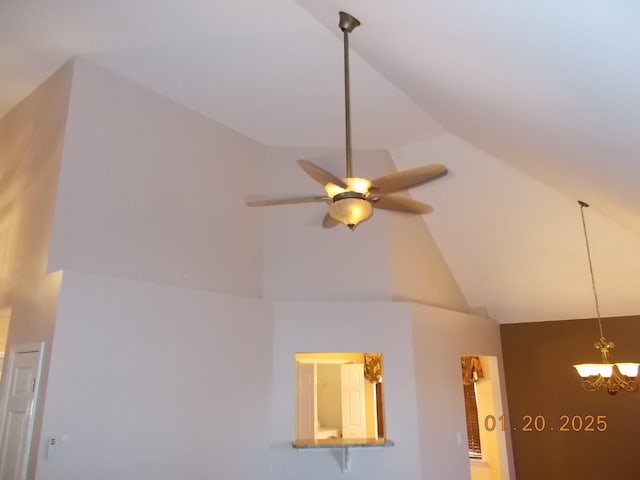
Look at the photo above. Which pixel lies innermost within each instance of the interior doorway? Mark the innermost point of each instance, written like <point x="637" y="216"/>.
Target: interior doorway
<point x="18" y="408"/>
<point x="486" y="418"/>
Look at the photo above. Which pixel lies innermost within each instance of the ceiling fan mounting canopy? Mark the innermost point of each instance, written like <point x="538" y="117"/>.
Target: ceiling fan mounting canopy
<point x="348" y="22"/>
<point x="352" y="199"/>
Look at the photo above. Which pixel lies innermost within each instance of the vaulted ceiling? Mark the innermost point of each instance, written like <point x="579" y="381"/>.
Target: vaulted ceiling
<point x="532" y="105"/>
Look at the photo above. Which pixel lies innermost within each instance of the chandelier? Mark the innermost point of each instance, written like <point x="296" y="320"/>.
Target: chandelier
<point x="608" y="376"/>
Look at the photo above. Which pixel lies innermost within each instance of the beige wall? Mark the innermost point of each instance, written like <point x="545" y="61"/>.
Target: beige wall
<point x="329" y="396"/>
<point x="5" y="317"/>
<point x="31" y="145"/>
<point x="355" y="357"/>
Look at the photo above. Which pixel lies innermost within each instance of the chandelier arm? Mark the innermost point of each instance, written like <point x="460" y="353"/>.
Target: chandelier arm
<point x="593" y="281"/>
<point x="627" y="383"/>
<point x="592" y="384"/>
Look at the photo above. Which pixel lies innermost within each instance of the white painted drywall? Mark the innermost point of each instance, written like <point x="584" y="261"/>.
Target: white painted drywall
<point x="440" y="338"/>
<point x="159" y="381"/>
<point x="153" y="382"/>
<point x="514" y="243"/>
<point x="345" y="327"/>
<point x="419" y="273"/>
<point x="153" y="191"/>
<point x="31" y="144"/>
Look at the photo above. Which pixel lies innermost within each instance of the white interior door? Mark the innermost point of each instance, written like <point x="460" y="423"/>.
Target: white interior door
<point x="354" y="420"/>
<point x="306" y="405"/>
<point x="18" y="410"/>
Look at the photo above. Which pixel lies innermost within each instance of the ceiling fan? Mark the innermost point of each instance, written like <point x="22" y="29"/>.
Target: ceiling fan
<point x="352" y="199"/>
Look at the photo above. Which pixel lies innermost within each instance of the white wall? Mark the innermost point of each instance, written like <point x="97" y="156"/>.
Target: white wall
<point x="419" y="272"/>
<point x="440" y="338"/>
<point x="31" y="144"/>
<point x="345" y="327"/>
<point x="150" y="190"/>
<point x="492" y="221"/>
<point x="150" y="379"/>
<point x="157" y="382"/>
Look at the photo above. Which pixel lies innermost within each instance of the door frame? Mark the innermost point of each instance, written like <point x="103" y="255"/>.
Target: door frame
<point x="36" y="347"/>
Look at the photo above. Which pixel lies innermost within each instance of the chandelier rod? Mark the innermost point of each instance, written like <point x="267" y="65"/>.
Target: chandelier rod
<point x="593" y="281"/>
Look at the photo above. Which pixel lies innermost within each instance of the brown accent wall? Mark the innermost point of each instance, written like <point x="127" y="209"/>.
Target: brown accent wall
<point x="540" y="380"/>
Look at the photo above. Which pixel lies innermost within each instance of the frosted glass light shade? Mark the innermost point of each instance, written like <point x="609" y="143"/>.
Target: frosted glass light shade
<point x="351" y="211"/>
<point x="628" y="369"/>
<point x="588" y="369"/>
<point x="594" y="369"/>
<point x="606" y="370"/>
<point x="354" y="184"/>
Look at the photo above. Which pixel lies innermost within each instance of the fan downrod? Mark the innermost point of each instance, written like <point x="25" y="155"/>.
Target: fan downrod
<point x="352" y="199"/>
<point x="347" y="23"/>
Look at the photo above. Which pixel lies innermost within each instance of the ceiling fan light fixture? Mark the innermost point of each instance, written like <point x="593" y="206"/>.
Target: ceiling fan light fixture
<point x="355" y="184"/>
<point x="352" y="199"/>
<point x="360" y="185"/>
<point x="350" y="209"/>
<point x="333" y="190"/>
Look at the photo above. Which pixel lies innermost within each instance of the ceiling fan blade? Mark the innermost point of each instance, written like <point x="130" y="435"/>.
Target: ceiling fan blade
<point x="288" y="201"/>
<point x="320" y="175"/>
<point x="398" y="203"/>
<point x="329" y="222"/>
<point x="405" y="179"/>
